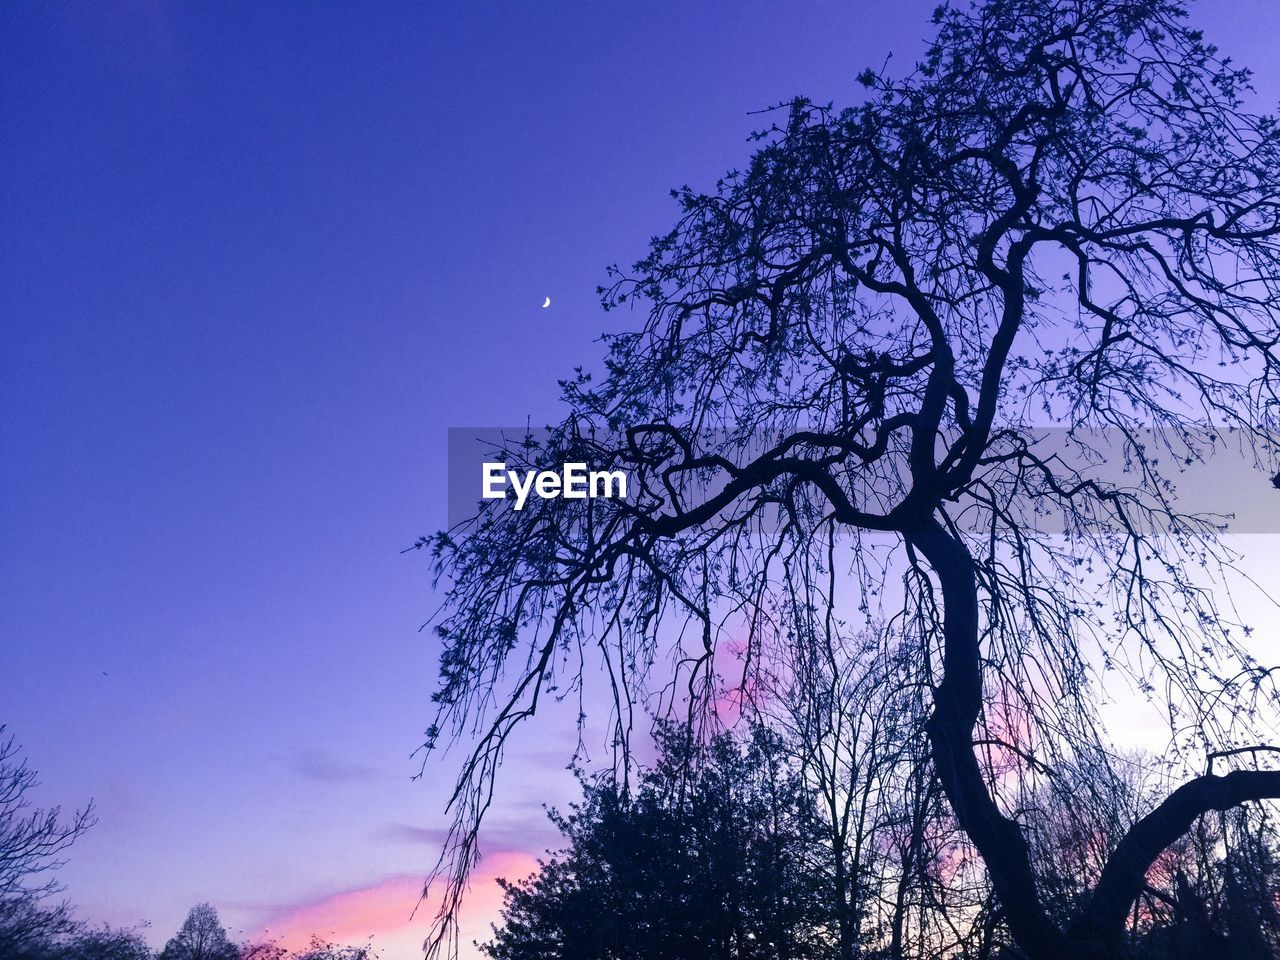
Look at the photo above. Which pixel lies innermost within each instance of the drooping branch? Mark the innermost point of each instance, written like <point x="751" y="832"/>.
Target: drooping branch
<point x="1124" y="876"/>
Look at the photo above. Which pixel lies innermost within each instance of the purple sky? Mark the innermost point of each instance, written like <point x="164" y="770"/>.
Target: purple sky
<point x="255" y="260"/>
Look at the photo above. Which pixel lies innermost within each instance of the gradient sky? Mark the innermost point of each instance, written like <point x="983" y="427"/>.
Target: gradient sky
<point x="255" y="259"/>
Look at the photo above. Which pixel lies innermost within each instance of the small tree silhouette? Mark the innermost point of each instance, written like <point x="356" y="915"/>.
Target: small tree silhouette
<point x="201" y="937"/>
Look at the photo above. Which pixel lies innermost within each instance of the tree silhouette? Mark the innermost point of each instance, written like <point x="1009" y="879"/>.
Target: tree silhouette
<point x="700" y="859"/>
<point x="201" y="937"/>
<point x="837" y="407"/>
<point x="850" y="711"/>
<point x="322" y="949"/>
<point x="32" y="844"/>
<point x="318" y="949"/>
<point x="719" y="850"/>
<point x="101" y="943"/>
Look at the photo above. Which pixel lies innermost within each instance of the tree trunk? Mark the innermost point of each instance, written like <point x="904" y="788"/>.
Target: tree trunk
<point x="957" y="702"/>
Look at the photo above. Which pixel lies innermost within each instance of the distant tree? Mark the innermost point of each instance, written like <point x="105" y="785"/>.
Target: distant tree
<point x="201" y="937"/>
<point x="32" y="844"/>
<point x="703" y="860"/>
<point x="262" y="950"/>
<point x="837" y="404"/>
<point x="322" y="949"/>
<point x="102" y="943"/>
<point x="318" y="949"/>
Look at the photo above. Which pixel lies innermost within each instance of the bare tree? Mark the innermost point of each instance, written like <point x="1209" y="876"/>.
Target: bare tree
<point x="853" y="710"/>
<point x="32" y="844"/>
<point x="201" y="937"/>
<point x="1065" y="216"/>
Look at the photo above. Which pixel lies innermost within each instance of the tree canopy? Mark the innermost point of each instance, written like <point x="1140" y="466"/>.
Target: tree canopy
<point x="700" y="859"/>
<point x="738" y="855"/>
<point x="835" y="410"/>
<point x="201" y="937"/>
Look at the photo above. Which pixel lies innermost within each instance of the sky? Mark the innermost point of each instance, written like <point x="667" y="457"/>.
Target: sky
<point x="255" y="261"/>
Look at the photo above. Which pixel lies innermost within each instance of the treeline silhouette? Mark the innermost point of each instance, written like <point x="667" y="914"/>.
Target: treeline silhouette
<point x="201" y="937"/>
<point x="36" y="925"/>
<point x="731" y="848"/>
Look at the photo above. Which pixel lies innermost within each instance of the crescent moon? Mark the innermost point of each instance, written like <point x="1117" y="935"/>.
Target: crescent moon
<point x="546" y="303"/>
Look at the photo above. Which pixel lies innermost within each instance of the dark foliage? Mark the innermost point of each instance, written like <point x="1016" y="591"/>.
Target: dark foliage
<point x="719" y="851"/>
<point x="703" y="858"/>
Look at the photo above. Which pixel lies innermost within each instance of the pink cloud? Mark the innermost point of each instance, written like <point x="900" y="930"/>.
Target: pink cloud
<point x="383" y="911"/>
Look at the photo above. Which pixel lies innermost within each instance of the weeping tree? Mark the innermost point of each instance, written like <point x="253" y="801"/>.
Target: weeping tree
<point x="833" y="407"/>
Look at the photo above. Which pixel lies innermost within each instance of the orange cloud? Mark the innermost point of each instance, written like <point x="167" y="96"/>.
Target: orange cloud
<point x="382" y="912"/>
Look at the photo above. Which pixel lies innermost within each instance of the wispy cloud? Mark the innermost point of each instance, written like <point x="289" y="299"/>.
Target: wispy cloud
<point x="324" y="767"/>
<point x="525" y="826"/>
<point x="384" y="912"/>
<point x="407" y="833"/>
